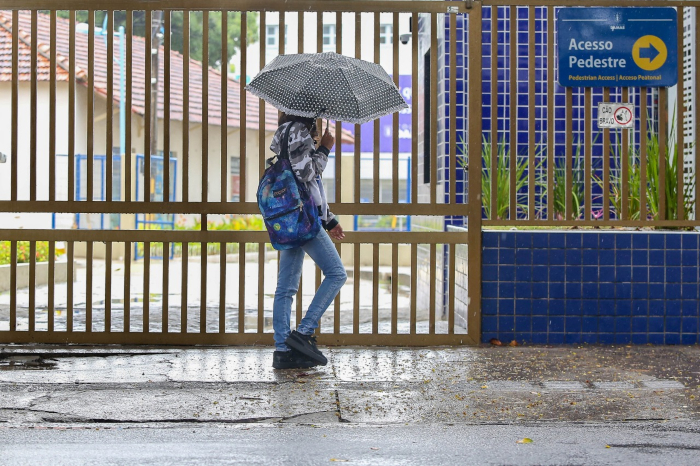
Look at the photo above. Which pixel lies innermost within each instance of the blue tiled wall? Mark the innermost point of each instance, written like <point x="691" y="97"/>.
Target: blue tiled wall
<point x="591" y="287"/>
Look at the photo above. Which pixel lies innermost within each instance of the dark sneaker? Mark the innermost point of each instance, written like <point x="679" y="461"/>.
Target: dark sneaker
<point x="291" y="360"/>
<point x="306" y="345"/>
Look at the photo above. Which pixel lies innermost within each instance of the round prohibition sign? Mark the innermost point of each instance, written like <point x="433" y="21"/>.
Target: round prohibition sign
<point x="623" y="116"/>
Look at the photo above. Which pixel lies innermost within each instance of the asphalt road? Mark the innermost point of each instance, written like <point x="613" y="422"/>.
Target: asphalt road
<point x="552" y="444"/>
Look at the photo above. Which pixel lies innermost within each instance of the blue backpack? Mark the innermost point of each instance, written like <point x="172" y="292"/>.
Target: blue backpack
<point x="289" y="211"/>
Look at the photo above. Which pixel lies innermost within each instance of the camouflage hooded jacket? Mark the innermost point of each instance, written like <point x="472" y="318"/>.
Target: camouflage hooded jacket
<point x="308" y="163"/>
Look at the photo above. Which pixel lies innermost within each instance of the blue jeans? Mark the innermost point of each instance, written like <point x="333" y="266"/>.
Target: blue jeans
<point x="324" y="254"/>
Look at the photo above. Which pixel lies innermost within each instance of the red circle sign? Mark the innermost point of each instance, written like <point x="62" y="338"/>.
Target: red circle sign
<point x="623" y="116"/>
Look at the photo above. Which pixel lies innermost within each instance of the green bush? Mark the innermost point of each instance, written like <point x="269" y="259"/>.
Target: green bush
<point x="23" y="252"/>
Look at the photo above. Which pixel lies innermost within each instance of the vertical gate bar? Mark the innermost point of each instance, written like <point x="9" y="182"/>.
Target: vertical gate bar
<point x="146" y="285"/>
<point x="13" y="279"/>
<point x="625" y="163"/>
<point x="568" y="210"/>
<point x="358" y="128"/>
<point x="242" y="156"/>
<point x="588" y="161"/>
<point x="394" y="287"/>
<point x="300" y="32"/>
<point x="225" y="171"/>
<point x="395" y="115"/>
<point x="474" y="222"/>
<point x="222" y="287"/>
<point x="338" y="125"/>
<point x="261" y="284"/>
<point x="127" y="119"/>
<point x="261" y="103"/>
<point x="185" y="116"/>
<point x="532" y="151"/>
<point x="109" y="158"/>
<point x="433" y="107"/>
<point x="356" y="289"/>
<point x="205" y="109"/>
<point x="414" y="110"/>
<point x="148" y="88"/>
<point x="453" y="110"/>
<point x="336" y="301"/>
<point x="127" y="276"/>
<point x="108" y="282"/>
<point x="32" y="283"/>
<point x="70" y="253"/>
<point x="697" y="119"/>
<point x="513" y="112"/>
<point x="494" y="115"/>
<point x="282" y="28"/>
<point x="414" y="288"/>
<point x="203" y="282"/>
<point x="451" y="291"/>
<point x="183" y="287"/>
<point x="52" y="285"/>
<point x="166" y="118"/>
<point x="643" y="154"/>
<point x="241" y="287"/>
<point x="606" y="164"/>
<point x="33" y="109"/>
<point x="375" y="288"/>
<point x="663" y="122"/>
<point x="15" y="107"/>
<point x="680" y="88"/>
<point x="52" y="110"/>
<point x="377" y="162"/>
<point x="433" y="286"/>
<point x="165" y="300"/>
<point x="91" y="107"/>
<point x="88" y="284"/>
<point x="550" y="113"/>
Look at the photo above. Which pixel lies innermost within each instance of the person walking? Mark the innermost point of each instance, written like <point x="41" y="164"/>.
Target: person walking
<point x="297" y="348"/>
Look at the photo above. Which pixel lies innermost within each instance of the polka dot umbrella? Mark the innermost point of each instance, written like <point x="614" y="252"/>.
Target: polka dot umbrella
<point x="328" y="86"/>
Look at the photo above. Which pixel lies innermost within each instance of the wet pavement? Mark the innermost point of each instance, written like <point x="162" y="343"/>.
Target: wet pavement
<point x="523" y="388"/>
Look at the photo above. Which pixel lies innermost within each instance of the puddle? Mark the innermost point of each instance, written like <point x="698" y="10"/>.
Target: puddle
<point x="16" y="363"/>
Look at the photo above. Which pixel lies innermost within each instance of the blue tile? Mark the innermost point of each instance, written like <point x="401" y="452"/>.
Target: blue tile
<point x="489" y="289"/>
<point x="489" y="273"/>
<point x="574" y="240"/>
<point x="506" y="256"/>
<point x="590" y="240"/>
<point x="523" y="240"/>
<point x="606" y="291"/>
<point x="523" y="337"/>
<point x="690" y="325"/>
<point x="657" y="307"/>
<point x="506" y="290"/>
<point x="689" y="291"/>
<point x="523" y="290"/>
<point x="539" y="324"/>
<point x="672" y="339"/>
<point x="506" y="323"/>
<point x="623" y="274"/>
<point x="673" y="291"/>
<point x="689" y="241"/>
<point x="574" y="274"/>
<point x="540" y="257"/>
<point x="540" y="307"/>
<point x="489" y="306"/>
<point x="639" y="324"/>
<point x="573" y="338"/>
<point x="589" y="338"/>
<point x="689" y="308"/>
<point x="557" y="273"/>
<point x="557" y="307"/>
<point x="557" y="240"/>
<point x="606" y="324"/>
<point x="539" y="338"/>
<point x="689" y="339"/>
<point x="573" y="291"/>
<point x="489" y="240"/>
<point x="589" y="307"/>
<point x="606" y="307"/>
<point x="640" y="257"/>
<point x="506" y="273"/>
<point x="673" y="324"/>
<point x="690" y="274"/>
<point x="606" y="338"/>
<point x="656" y="258"/>
<point x="557" y="290"/>
<point x="486" y="337"/>
<point x="557" y="257"/>
<point x="656" y="274"/>
<point x="656" y="338"/>
<point x="640" y="307"/>
<point x="640" y="241"/>
<point x="573" y="257"/>
<point x="623" y="240"/>
<point x="523" y="273"/>
<point x="523" y="324"/>
<point x="573" y="307"/>
<point x="606" y="240"/>
<point x="523" y="256"/>
<point x="556" y="324"/>
<point x="506" y="307"/>
<point x="689" y="258"/>
<point x="623" y="338"/>
<point x="640" y="274"/>
<point x="673" y="241"/>
<point x="656" y="324"/>
<point x="555" y="339"/>
<point x="640" y="290"/>
<point x="590" y="274"/>
<point x="673" y="274"/>
<point x="606" y="274"/>
<point x="507" y="336"/>
<point x="623" y="291"/>
<point x="673" y="257"/>
<point x="490" y="256"/>
<point x="540" y="290"/>
<point x="540" y="240"/>
<point x="623" y="257"/>
<point x="506" y="240"/>
<point x="589" y="257"/>
<point x="673" y="307"/>
<point x="589" y="324"/>
<point x="540" y="273"/>
<point x="640" y="338"/>
<point x="523" y="307"/>
<point x="623" y="307"/>
<point x="656" y="241"/>
<point x="489" y="324"/>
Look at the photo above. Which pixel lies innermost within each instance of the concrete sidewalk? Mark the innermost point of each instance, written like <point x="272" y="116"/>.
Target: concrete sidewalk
<point x="93" y="386"/>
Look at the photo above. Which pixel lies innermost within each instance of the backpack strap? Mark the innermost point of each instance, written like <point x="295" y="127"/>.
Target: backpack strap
<point x="284" y="144"/>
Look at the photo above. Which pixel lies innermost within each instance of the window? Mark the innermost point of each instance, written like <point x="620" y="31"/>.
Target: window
<point x="386" y="34"/>
<point x="328" y="35"/>
<point x="273" y="34"/>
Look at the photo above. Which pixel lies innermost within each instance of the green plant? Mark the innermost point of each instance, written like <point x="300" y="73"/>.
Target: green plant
<point x="23" y="252"/>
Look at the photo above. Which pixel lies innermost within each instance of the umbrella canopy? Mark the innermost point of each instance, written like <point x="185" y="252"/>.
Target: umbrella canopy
<point x="328" y="85"/>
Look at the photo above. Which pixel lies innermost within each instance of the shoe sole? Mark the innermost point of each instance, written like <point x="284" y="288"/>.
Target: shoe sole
<point x="305" y="350"/>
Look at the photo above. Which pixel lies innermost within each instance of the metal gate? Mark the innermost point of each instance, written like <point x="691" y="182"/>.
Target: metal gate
<point x="419" y="287"/>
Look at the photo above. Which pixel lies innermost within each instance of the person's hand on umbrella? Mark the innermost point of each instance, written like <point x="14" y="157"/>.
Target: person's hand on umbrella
<point x="328" y="140"/>
<point x="336" y="233"/>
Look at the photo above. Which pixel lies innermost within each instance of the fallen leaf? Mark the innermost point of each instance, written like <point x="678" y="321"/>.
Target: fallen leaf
<point x="496" y="342"/>
<point x="513" y="343"/>
<point x="524" y="440"/>
<point x="338" y="460"/>
<point x="373" y="448"/>
<point x="607" y="446"/>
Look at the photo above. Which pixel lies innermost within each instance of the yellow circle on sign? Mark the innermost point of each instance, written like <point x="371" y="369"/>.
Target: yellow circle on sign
<point x="649" y="53"/>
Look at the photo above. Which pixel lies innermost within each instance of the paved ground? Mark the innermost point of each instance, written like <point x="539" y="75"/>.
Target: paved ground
<point x="473" y="404"/>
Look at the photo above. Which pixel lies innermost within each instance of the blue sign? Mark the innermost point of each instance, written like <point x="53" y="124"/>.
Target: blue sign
<point x="602" y="47"/>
